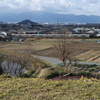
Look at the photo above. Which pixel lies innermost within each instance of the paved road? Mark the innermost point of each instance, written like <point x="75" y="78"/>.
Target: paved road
<point x="56" y="61"/>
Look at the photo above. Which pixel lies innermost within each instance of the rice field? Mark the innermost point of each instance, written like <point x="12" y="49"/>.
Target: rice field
<point x="85" y="51"/>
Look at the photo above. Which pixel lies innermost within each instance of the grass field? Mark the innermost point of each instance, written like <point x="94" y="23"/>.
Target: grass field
<point x="85" y="51"/>
<point x="40" y="89"/>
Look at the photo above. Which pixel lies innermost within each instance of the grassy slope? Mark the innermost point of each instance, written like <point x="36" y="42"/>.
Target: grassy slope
<point x="40" y="89"/>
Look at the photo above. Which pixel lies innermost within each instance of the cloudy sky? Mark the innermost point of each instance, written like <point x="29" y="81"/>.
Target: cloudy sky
<point x="86" y="7"/>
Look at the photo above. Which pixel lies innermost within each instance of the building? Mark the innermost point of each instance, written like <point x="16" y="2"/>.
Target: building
<point x="5" y="36"/>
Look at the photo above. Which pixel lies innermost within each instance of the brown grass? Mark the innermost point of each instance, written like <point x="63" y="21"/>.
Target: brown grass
<point x="88" y="51"/>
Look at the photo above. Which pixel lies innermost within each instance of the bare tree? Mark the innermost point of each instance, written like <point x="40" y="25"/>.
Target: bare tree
<point x="24" y="60"/>
<point x="16" y="62"/>
<point x="6" y="65"/>
<point x="62" y="47"/>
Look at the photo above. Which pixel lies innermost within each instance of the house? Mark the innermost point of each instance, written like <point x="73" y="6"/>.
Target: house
<point x="5" y="36"/>
<point x="98" y="35"/>
<point x="83" y="30"/>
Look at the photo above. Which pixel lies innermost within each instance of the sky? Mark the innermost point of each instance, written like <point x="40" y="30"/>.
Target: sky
<point x="77" y="7"/>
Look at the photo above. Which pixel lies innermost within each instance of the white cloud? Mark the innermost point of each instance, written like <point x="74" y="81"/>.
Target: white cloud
<point x="59" y="6"/>
<point x="90" y="1"/>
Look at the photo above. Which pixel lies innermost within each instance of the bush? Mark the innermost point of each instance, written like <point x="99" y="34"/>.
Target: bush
<point x="29" y="73"/>
<point x="54" y="74"/>
<point x="91" y="69"/>
<point x="50" y="72"/>
<point x="84" y="73"/>
<point x="86" y="65"/>
<point x="60" y="64"/>
<point x="89" y="66"/>
<point x="36" y="73"/>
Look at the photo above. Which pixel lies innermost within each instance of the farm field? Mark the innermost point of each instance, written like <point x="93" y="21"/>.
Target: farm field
<point x="39" y="86"/>
<point x="85" y="51"/>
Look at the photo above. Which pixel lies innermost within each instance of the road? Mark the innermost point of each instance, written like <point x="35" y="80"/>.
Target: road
<point x="56" y="61"/>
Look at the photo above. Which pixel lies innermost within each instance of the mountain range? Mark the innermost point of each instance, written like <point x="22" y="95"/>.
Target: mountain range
<point x="44" y="17"/>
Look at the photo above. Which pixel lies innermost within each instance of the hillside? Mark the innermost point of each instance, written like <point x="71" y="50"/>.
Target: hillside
<point x="26" y="22"/>
<point x="40" y="89"/>
<point x="1" y="22"/>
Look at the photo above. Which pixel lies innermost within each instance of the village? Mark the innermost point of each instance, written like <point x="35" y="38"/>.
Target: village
<point x="27" y="28"/>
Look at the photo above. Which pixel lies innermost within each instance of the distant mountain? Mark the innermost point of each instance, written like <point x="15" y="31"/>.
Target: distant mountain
<point x="28" y="22"/>
<point x="1" y="22"/>
<point x="43" y="17"/>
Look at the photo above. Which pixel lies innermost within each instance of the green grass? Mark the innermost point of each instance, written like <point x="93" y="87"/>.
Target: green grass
<point x="40" y="89"/>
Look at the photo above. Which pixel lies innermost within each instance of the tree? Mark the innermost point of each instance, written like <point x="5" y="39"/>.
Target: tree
<point x="24" y="60"/>
<point x="15" y="63"/>
<point x="62" y="46"/>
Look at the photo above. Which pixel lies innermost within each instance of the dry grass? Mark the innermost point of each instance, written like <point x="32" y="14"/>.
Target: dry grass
<point x="87" y="51"/>
<point x="40" y="89"/>
<point x="88" y="55"/>
<point x="34" y="45"/>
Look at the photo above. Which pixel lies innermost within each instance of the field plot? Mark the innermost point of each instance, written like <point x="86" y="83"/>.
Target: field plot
<point x="90" y="55"/>
<point x="27" y="45"/>
<point x="82" y="51"/>
<point x="85" y="51"/>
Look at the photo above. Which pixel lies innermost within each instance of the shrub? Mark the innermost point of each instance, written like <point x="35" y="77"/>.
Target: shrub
<point x="89" y="66"/>
<point x="91" y="69"/>
<point x="29" y="73"/>
<point x="60" y="64"/>
<point x="54" y="74"/>
<point x="36" y="73"/>
<point x="84" y="73"/>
